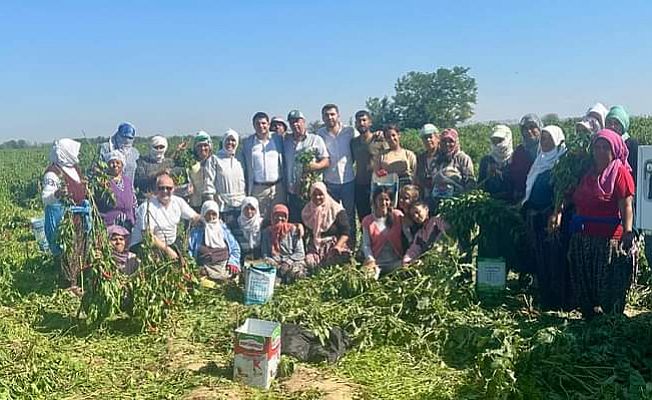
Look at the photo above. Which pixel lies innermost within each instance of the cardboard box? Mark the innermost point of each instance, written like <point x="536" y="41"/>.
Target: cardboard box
<point x="257" y="352"/>
<point x="491" y="276"/>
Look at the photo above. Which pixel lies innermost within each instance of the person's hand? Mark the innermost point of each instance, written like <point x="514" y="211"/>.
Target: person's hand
<point x="554" y="222"/>
<point x="169" y="251"/>
<point x="234" y="269"/>
<point x="195" y="220"/>
<point x="627" y="241"/>
<point x="378" y="135"/>
<point x="182" y="146"/>
<point x="340" y="248"/>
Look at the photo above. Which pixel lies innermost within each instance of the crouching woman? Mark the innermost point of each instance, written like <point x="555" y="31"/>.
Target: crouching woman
<point x="381" y="235"/>
<point x="282" y="243"/>
<point x="213" y="246"/>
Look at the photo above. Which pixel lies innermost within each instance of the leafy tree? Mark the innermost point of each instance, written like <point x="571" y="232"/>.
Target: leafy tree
<point x="445" y="97"/>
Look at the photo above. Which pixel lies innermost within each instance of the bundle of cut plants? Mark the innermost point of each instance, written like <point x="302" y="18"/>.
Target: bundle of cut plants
<point x="158" y="286"/>
<point x="405" y="308"/>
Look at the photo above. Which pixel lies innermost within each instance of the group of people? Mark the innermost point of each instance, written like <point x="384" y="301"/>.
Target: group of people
<point x="249" y="200"/>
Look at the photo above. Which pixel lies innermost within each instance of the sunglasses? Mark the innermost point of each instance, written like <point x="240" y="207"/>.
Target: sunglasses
<point x="165" y="188"/>
<point x="161" y="147"/>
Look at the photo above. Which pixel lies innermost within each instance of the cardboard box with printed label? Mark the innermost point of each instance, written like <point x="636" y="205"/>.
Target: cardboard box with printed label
<point x="257" y="352"/>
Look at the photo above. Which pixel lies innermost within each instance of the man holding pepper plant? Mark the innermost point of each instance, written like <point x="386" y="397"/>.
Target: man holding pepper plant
<point x="305" y="158"/>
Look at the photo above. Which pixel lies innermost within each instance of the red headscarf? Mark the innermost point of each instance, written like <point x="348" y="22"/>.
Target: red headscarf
<point x="450" y="134"/>
<point x="607" y="179"/>
<point x="279" y="229"/>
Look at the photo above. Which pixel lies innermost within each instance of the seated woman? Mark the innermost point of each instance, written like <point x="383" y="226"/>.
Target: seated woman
<point x="453" y="169"/>
<point x="248" y="229"/>
<point x="602" y="252"/>
<point x="282" y="243"/>
<point x="494" y="167"/>
<point x="381" y="235"/>
<point x="126" y="261"/>
<point x="430" y="230"/>
<point x="408" y="195"/>
<point x="117" y="206"/>
<point x="213" y="246"/>
<point x="328" y="222"/>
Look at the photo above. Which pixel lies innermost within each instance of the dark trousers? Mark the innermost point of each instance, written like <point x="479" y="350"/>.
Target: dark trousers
<point x="295" y="204"/>
<point x="362" y="200"/>
<point x="345" y="194"/>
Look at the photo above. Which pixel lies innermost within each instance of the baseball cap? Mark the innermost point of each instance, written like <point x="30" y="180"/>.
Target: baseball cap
<point x="295" y="114"/>
<point x="429" y="129"/>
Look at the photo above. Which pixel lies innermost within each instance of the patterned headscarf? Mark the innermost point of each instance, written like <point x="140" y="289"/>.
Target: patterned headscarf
<point x="115" y="155"/>
<point x="450" y="134"/>
<point x="279" y="229"/>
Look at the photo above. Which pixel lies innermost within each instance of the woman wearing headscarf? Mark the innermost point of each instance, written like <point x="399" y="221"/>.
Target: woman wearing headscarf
<point x="618" y="121"/>
<point x="524" y="154"/>
<point x="151" y="165"/>
<point x="117" y="206"/>
<point x="329" y="227"/>
<point x="248" y="229"/>
<point x="63" y="185"/>
<point x="602" y="251"/>
<point x="453" y="169"/>
<point x="430" y="139"/>
<point x="495" y="167"/>
<point x="593" y="121"/>
<point x="202" y="173"/>
<point x="282" y="243"/>
<point x="549" y="266"/>
<point x="126" y="261"/>
<point x="123" y="141"/>
<point x="229" y="179"/>
<point x="213" y="246"/>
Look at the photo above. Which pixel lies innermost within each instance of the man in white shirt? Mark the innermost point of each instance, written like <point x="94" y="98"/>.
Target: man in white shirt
<point x="160" y="216"/>
<point x="263" y="162"/>
<point x="339" y="177"/>
<point x="296" y="143"/>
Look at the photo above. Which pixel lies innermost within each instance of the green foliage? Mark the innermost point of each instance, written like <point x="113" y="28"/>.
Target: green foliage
<point x="445" y="97"/>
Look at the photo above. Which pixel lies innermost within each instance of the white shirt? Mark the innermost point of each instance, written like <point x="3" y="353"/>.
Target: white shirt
<point x="339" y="148"/>
<point x="162" y="220"/>
<point x="265" y="159"/>
<point x="229" y="181"/>
<point x="292" y="148"/>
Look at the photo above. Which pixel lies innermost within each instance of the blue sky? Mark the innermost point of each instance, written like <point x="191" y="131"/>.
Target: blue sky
<point x="177" y="67"/>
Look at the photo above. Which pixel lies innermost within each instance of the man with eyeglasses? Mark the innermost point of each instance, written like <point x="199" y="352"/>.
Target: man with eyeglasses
<point x="160" y="216"/>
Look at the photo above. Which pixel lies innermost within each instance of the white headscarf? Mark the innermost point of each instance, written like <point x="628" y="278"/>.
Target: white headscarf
<point x="65" y="154"/>
<point x="594" y="119"/>
<point x="545" y="160"/>
<point x="230" y="133"/>
<point x="115" y="155"/>
<point x="156" y="154"/>
<point x="250" y="226"/>
<point x="213" y="233"/>
<point x="502" y="151"/>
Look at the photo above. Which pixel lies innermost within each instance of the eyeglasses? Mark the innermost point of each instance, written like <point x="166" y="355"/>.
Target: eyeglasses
<point x="165" y="188"/>
<point x="160" y="147"/>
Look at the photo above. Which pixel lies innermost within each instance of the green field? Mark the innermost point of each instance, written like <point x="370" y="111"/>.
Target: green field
<point x="421" y="334"/>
